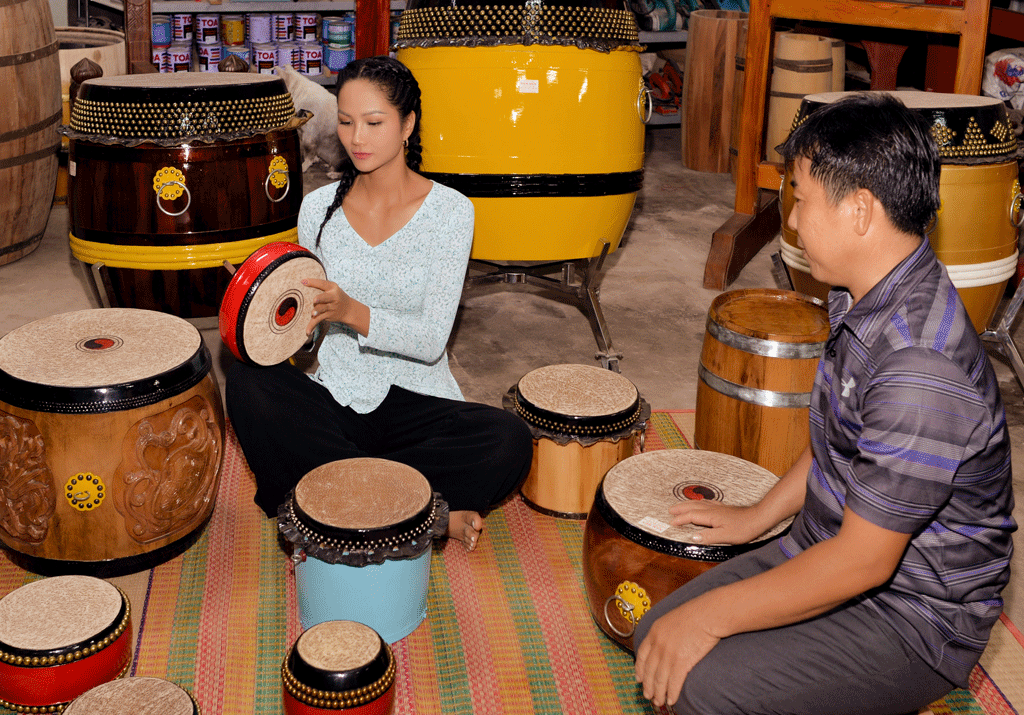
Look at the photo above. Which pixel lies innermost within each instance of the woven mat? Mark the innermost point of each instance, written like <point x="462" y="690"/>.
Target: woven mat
<point x="508" y="627"/>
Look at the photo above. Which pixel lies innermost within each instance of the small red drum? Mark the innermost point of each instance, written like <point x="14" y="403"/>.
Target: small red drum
<point x="339" y="665"/>
<point x="632" y="556"/>
<point x="584" y="420"/>
<point x="59" y="637"/>
<point x="135" y="696"/>
<point x="111" y="434"/>
<point x="266" y="309"/>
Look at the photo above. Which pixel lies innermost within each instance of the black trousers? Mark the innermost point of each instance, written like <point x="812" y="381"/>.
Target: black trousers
<point x="287" y="424"/>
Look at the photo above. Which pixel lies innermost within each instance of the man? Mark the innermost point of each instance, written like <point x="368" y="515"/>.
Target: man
<point x="881" y="597"/>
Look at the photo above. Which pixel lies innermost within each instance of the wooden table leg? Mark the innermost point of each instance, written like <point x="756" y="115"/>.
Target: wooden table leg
<point x="739" y="239"/>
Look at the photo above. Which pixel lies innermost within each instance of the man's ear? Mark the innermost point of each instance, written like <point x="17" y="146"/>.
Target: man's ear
<point x="864" y="209"/>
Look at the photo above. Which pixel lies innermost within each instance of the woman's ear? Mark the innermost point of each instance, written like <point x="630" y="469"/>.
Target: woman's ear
<point x="407" y="126"/>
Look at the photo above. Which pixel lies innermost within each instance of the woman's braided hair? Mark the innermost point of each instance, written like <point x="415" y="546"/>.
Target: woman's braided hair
<point x="403" y="92"/>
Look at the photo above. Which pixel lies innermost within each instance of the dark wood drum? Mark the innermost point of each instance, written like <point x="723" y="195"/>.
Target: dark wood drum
<point x="632" y="556"/>
<point x="111" y="437"/>
<point x="173" y="174"/>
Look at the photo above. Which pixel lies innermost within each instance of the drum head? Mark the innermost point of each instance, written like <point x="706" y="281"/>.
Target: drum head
<point x="339" y="646"/>
<point x="275" y="321"/>
<point x="57" y="613"/>
<point x="768" y="314"/>
<point x="134" y="696"/>
<point x="577" y="399"/>
<point x="642" y="488"/>
<point x="916" y="100"/>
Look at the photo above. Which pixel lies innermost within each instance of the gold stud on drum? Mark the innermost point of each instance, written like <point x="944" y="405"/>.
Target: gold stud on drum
<point x="278" y="169"/>
<point x="169" y="185"/>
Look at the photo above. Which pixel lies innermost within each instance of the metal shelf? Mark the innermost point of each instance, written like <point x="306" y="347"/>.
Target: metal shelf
<point x="658" y="38"/>
<point x="171" y="6"/>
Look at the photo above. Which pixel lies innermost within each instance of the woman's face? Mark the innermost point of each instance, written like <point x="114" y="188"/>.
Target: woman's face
<point x="369" y="126"/>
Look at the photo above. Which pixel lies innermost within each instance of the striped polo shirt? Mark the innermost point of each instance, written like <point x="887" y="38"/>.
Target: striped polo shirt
<point x="908" y="430"/>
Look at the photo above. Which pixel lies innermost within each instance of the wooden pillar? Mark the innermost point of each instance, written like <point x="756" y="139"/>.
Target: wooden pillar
<point x="373" y="27"/>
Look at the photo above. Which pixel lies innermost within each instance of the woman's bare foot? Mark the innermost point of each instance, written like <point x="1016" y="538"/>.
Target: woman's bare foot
<point x="466" y="527"/>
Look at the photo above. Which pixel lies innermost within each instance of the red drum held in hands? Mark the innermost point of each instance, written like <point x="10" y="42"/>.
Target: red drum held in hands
<point x="266" y="309"/>
<point x="632" y="556"/>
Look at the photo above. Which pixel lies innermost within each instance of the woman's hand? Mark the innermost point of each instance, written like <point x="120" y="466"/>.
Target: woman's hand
<point x="335" y="305"/>
<point x="725" y="524"/>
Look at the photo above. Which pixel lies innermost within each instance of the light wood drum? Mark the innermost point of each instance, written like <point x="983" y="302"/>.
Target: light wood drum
<point x="584" y="420"/>
<point x="135" y="696"/>
<point x="266" y="309"/>
<point x="59" y="637"/>
<point x="632" y="556"/>
<point x="339" y="665"/>
<point x="975" y="232"/>
<point x="361" y="531"/>
<point x="756" y="371"/>
<point x="111" y="429"/>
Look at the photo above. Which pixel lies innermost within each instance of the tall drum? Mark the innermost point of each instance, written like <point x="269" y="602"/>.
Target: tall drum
<point x="111" y="433"/>
<point x="975" y="232"/>
<point x="632" y="556"/>
<point x="535" y="111"/>
<point x="173" y="174"/>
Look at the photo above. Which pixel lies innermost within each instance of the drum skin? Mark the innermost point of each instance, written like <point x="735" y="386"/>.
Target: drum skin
<point x="135" y="695"/>
<point x="537" y="111"/>
<point x="173" y="263"/>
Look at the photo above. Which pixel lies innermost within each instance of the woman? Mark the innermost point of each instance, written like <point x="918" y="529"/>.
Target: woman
<point x="395" y="247"/>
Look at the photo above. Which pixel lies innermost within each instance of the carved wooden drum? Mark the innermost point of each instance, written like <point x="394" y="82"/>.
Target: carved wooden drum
<point x="339" y="665"/>
<point x="756" y="371"/>
<point x="632" y="556"/>
<point x="111" y="439"/>
<point x="135" y="696"/>
<point x="584" y="419"/>
<point x="59" y="637"/>
<point x="361" y="531"/>
<point x="975" y="232"/>
<point x="266" y="309"/>
<point x="173" y="174"/>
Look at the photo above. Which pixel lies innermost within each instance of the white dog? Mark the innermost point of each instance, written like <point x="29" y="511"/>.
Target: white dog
<point x="318" y="136"/>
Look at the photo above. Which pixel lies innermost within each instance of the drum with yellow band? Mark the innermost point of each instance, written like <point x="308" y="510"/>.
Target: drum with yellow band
<point x="536" y="113"/>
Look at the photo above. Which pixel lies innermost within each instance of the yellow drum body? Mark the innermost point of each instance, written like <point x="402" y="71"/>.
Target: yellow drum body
<point x="546" y="140"/>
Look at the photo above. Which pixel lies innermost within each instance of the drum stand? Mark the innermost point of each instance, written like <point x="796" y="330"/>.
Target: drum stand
<point x="585" y="292"/>
<point x="104" y="288"/>
<point x="1000" y="337"/>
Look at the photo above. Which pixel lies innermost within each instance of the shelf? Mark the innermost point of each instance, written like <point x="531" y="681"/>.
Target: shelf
<point x="657" y="38"/>
<point x="660" y="119"/>
<point x="162" y="7"/>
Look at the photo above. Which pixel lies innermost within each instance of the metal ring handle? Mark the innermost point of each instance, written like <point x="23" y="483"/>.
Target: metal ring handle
<point x="627" y="607"/>
<point x="266" y="185"/>
<point x="1015" y="208"/>
<point x="643" y="436"/>
<point x="644" y="98"/>
<point x="188" y="194"/>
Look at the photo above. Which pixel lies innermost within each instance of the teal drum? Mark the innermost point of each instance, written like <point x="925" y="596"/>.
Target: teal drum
<point x="361" y="532"/>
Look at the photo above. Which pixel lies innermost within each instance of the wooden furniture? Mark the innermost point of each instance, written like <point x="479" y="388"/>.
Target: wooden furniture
<point x="756" y="220"/>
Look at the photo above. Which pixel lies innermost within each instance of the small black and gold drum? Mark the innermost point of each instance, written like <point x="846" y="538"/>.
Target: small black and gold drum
<point x="112" y="435"/>
<point x="339" y="665"/>
<point x="632" y="555"/>
<point x="135" y="696"/>
<point x="975" y="233"/>
<point x="584" y="420"/>
<point x="553" y="154"/>
<point x="59" y="637"/>
<point x="171" y="175"/>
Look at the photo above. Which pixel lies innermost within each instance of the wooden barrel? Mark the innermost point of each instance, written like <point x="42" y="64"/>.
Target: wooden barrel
<point x="802" y="66"/>
<point x="737" y="102"/>
<point x="709" y="84"/>
<point x="756" y="371"/>
<point x="29" y="72"/>
<point x="838" y="65"/>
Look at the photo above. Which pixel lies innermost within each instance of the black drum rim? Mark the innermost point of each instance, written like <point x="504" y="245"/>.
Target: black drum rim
<point x="379" y="673"/>
<point x="381" y="537"/>
<point x="589" y="426"/>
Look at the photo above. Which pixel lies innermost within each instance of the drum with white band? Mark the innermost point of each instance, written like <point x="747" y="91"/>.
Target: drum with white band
<point x="112" y="427"/>
<point x="59" y="637"/>
<point x="361" y="530"/>
<point x="266" y="308"/>
<point x="135" y="696"/>
<point x="632" y="556"/>
<point x="584" y="419"/>
<point x="339" y="665"/>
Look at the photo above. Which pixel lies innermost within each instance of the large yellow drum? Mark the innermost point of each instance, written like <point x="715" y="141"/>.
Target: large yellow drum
<point x="540" y="122"/>
<point x="975" y="232"/>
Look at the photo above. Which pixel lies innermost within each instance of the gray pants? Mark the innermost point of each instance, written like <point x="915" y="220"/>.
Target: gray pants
<point x="849" y="660"/>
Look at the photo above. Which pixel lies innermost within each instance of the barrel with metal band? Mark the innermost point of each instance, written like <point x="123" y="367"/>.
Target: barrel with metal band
<point x="174" y="174"/>
<point x="975" y="230"/>
<point x="135" y="696"/>
<point x="111" y="430"/>
<point x="361" y="531"/>
<point x="339" y="665"/>
<point x="536" y="112"/>
<point x="59" y="637"/>
<point x="584" y="420"/>
<point x="266" y="308"/>
<point x="632" y="555"/>
<point x="756" y="371"/>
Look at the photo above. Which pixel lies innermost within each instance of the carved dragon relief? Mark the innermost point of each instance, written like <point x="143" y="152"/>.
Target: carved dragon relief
<point x="167" y="478"/>
<point x="28" y="497"/>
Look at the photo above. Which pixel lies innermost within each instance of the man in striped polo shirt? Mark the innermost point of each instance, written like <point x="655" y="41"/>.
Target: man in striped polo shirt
<point x="881" y="597"/>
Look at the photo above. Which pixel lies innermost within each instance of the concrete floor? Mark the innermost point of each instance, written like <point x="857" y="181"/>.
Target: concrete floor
<point x="651" y="296"/>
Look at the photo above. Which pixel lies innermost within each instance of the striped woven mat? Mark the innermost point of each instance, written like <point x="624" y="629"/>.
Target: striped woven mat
<point x="508" y="628"/>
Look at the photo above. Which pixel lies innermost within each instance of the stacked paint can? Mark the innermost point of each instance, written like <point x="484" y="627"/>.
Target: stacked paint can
<point x="337" y="33"/>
